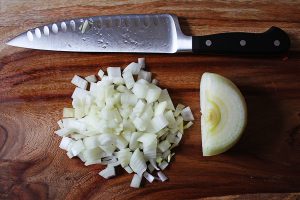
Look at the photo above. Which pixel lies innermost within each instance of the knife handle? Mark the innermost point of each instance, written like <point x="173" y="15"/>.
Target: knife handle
<point x="273" y="41"/>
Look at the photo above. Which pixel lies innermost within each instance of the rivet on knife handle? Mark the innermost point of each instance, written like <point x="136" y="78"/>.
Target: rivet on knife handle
<point x="273" y="41"/>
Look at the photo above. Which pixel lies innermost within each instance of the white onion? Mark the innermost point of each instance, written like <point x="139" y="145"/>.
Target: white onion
<point x="133" y="68"/>
<point x="65" y="142"/>
<point x="142" y="63"/>
<point x="187" y="114"/>
<point x="140" y="90"/>
<point x="137" y="162"/>
<point x="149" y="177"/>
<point x="153" y="94"/>
<point x="136" y="181"/>
<point x="123" y="120"/>
<point x="150" y="168"/>
<point x="108" y="172"/>
<point x="68" y="112"/>
<point x="144" y="75"/>
<point x="79" y="82"/>
<point x="166" y="97"/>
<point x="77" y="147"/>
<point x="60" y="124"/>
<point x="128" y="169"/>
<point x="101" y="73"/>
<point x="128" y="79"/>
<point x="161" y="176"/>
<point x="163" y="165"/>
<point x="91" y="78"/>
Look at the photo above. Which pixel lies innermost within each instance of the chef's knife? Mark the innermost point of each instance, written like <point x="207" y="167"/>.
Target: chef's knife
<point x="153" y="33"/>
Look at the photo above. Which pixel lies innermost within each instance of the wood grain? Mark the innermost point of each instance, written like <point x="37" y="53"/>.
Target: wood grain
<point x="35" y="86"/>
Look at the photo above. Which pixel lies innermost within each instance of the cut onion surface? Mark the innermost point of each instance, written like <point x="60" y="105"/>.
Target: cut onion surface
<point x="224" y="114"/>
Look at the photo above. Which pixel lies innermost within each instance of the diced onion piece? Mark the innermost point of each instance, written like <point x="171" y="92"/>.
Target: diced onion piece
<point x="149" y="145"/>
<point x="153" y="163"/>
<point x="144" y="75"/>
<point x="163" y="165"/>
<point x="153" y="94"/>
<point x="76" y="125"/>
<point x="170" y="156"/>
<point x="79" y="82"/>
<point x="133" y="144"/>
<point x="105" y="81"/>
<point x="133" y="68"/>
<point x="114" y="72"/>
<point x="124" y="156"/>
<point x="128" y="169"/>
<point x="139" y="108"/>
<point x="136" y="181"/>
<point x="68" y="112"/>
<point x="148" y="113"/>
<point x="109" y="149"/>
<point x="114" y="163"/>
<point x="164" y="145"/>
<point x="178" y="110"/>
<point x="142" y="63"/>
<point x="187" y="114"/>
<point x="122" y="89"/>
<point x="171" y="119"/>
<point x="171" y="137"/>
<point x="69" y="154"/>
<point x="106" y="139"/>
<point x="149" y="177"/>
<point x="60" y="124"/>
<point x="179" y="122"/>
<point x="108" y="172"/>
<point x="91" y="78"/>
<point x="101" y="73"/>
<point x="93" y="162"/>
<point x="118" y="80"/>
<point x="188" y="125"/>
<point x="155" y="81"/>
<point x="77" y="147"/>
<point x="137" y="162"/>
<point x="79" y="93"/>
<point x="140" y="90"/>
<point x="166" y="154"/>
<point x="77" y="136"/>
<point x="147" y="138"/>
<point x="64" y="132"/>
<point x="160" y="108"/>
<point x="164" y="96"/>
<point x="92" y="154"/>
<point x="161" y="176"/>
<point x="128" y="99"/>
<point x="150" y="168"/>
<point x="65" y="143"/>
<point x="121" y="143"/>
<point x="129" y="80"/>
<point x="159" y="122"/>
<point x="177" y="140"/>
<point x="140" y="124"/>
<point x="110" y="160"/>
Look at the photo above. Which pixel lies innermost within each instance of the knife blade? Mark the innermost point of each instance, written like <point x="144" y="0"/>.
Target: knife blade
<point x="145" y="33"/>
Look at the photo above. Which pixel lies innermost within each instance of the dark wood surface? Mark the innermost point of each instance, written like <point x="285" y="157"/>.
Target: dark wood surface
<point x="35" y="86"/>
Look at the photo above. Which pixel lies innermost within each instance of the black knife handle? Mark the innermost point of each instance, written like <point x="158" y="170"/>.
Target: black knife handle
<point x="273" y="41"/>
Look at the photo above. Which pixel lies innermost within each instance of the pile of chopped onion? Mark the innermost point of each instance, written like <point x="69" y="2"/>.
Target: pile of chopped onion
<point x="124" y="119"/>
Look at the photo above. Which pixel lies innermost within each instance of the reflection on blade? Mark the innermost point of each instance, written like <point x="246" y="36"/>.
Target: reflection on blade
<point x="123" y="33"/>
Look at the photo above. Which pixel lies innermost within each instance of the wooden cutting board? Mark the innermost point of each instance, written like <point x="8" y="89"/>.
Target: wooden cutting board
<point x="35" y="86"/>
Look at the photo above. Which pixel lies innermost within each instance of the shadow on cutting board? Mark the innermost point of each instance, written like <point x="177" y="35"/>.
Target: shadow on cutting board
<point x="264" y="133"/>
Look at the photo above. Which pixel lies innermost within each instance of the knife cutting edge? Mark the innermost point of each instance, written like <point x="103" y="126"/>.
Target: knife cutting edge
<point x="150" y="33"/>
